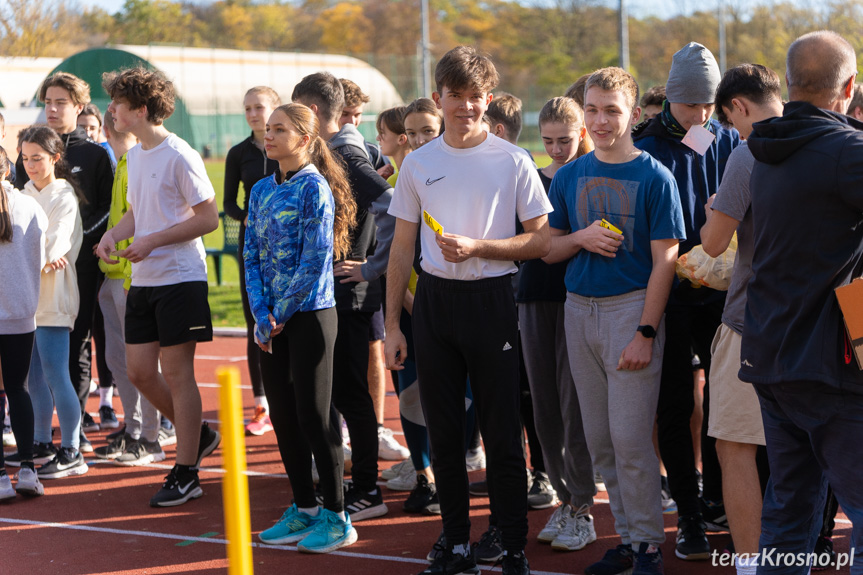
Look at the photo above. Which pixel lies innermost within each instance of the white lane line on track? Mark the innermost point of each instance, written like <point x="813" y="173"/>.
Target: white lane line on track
<point x="176" y="537"/>
<point x="216" y="385"/>
<point x="231" y="358"/>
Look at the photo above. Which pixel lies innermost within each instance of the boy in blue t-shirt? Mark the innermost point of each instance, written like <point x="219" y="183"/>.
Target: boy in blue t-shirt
<point x="618" y="281"/>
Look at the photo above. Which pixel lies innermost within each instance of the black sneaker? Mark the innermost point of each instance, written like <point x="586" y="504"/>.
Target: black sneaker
<point x="437" y="549"/>
<point x="478" y="488"/>
<point x="615" y="561"/>
<point x="713" y="515"/>
<point x="108" y="417"/>
<point x="167" y="436"/>
<point x="84" y="444"/>
<point x="692" y="542"/>
<point x="648" y="560"/>
<point x="114" y="449"/>
<point x="451" y="562"/>
<point x="140" y="452"/>
<point x="121" y="431"/>
<point x="824" y="555"/>
<point x="489" y="548"/>
<point x="42" y="454"/>
<point x="66" y="463"/>
<point x="515" y="564"/>
<point x="88" y="423"/>
<point x="177" y="491"/>
<point x="541" y="494"/>
<point x="423" y="498"/>
<point x="210" y="439"/>
<point x="361" y="505"/>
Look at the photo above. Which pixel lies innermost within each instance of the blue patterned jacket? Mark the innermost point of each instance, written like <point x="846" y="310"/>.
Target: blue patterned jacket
<point x="288" y="248"/>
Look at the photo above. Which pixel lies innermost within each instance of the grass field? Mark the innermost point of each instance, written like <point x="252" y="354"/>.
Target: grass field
<point x="224" y="300"/>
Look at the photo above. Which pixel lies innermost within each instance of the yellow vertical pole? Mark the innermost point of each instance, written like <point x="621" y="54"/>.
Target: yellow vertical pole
<point x="235" y="487"/>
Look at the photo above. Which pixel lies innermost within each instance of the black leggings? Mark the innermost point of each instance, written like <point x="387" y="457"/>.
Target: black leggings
<point x="15" y="352"/>
<point x="298" y="380"/>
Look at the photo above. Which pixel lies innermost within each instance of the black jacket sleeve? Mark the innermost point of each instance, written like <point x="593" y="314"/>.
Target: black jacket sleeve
<point x="232" y="184"/>
<point x="103" y="181"/>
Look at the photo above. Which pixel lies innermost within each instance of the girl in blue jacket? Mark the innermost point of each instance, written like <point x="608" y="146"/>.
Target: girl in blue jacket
<point x="299" y="219"/>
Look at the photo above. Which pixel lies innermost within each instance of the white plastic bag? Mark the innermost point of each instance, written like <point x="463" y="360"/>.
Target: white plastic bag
<point x="702" y="270"/>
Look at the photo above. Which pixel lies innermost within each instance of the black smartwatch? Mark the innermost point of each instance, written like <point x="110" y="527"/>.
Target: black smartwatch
<point x="647" y="331"/>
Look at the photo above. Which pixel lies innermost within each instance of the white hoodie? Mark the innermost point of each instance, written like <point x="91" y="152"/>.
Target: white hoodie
<point x="58" y="297"/>
<point x="21" y="262"/>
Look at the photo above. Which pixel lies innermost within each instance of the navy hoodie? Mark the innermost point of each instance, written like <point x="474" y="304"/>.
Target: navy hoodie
<point x="807" y="209"/>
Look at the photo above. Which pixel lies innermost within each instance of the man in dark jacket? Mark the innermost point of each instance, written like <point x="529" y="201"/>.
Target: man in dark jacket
<point x="692" y="315"/>
<point x="807" y="210"/>
<point x="356" y="301"/>
<point x="64" y="96"/>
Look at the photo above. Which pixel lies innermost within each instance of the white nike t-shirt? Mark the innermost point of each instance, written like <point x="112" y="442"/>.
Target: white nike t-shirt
<point x="164" y="184"/>
<point x="475" y="192"/>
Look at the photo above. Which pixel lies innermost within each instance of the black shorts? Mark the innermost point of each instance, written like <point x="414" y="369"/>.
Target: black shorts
<point x="376" y="328"/>
<point x="171" y="315"/>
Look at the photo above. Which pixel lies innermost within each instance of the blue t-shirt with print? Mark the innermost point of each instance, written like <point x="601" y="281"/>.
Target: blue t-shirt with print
<point x="639" y="197"/>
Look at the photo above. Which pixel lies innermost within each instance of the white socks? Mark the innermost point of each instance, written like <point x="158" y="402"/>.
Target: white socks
<point x="746" y="566"/>
<point x="105" y="395"/>
<point x="262" y="401"/>
<point x="311" y="511"/>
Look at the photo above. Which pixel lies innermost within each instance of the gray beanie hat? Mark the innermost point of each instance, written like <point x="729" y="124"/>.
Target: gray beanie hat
<point x="694" y="76"/>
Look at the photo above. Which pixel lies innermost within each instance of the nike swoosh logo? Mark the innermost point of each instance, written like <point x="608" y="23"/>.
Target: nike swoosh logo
<point x="182" y="489"/>
<point x="431" y="181"/>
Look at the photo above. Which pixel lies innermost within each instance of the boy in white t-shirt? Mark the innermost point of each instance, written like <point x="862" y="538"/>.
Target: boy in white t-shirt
<point x="171" y="206"/>
<point x="474" y="185"/>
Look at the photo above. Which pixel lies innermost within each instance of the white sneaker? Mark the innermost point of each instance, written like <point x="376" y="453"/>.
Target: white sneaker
<point x="28" y="483"/>
<point x="396" y="470"/>
<point x="599" y="481"/>
<point x="388" y="448"/>
<point x="577" y="532"/>
<point x="406" y="480"/>
<point x="474" y="459"/>
<point x="8" y="436"/>
<point x="6" y="491"/>
<point x="555" y="524"/>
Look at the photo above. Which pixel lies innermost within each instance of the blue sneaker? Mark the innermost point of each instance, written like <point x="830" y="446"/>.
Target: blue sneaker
<point x="648" y="560"/>
<point x="292" y="527"/>
<point x="330" y="533"/>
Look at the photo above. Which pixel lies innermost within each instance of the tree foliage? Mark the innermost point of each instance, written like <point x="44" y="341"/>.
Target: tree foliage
<point x="540" y="46"/>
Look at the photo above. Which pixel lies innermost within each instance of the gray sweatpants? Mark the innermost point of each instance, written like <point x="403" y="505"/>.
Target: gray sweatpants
<point x="141" y="418"/>
<point x="618" y="408"/>
<point x="556" y="412"/>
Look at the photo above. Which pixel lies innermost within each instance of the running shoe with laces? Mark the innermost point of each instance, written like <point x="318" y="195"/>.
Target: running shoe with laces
<point x="713" y="515"/>
<point x="362" y="505"/>
<point x="42" y="454"/>
<point x="406" y="480"/>
<point x="84" y="444"/>
<point x="397" y="469"/>
<point x="294" y="525"/>
<point x="452" y="562"/>
<point x="424" y="498"/>
<point x="6" y="489"/>
<point x="598" y="481"/>
<point x="692" y="544"/>
<point x="515" y="564"/>
<point x="388" y="448"/>
<point x="489" y="548"/>
<point x="140" y="452"/>
<point x="541" y="494"/>
<point x="615" y="562"/>
<point x="114" y="449"/>
<point x="210" y="439"/>
<point x="825" y="556"/>
<point x="177" y="490"/>
<point x="88" y="423"/>
<point x="554" y="524"/>
<point x="474" y="459"/>
<point x="478" y="488"/>
<point x="27" y="483"/>
<point x="108" y="418"/>
<point x="329" y="533"/>
<point x="648" y="560"/>
<point x="577" y="532"/>
<point x="437" y="549"/>
<point x="66" y="463"/>
<point x="260" y="422"/>
<point x="167" y="436"/>
<point x="116" y="433"/>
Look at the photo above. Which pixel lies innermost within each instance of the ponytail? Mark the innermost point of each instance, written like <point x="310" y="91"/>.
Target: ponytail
<point x="334" y="172"/>
<point x="5" y="216"/>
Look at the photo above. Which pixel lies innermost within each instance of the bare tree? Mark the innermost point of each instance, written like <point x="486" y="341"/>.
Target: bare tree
<point x="45" y="27"/>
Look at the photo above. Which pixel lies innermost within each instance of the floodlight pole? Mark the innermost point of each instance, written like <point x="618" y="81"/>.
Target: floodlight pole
<point x="624" y="36"/>
<point x="426" y="51"/>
